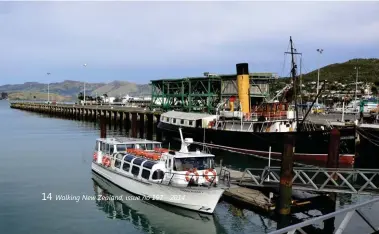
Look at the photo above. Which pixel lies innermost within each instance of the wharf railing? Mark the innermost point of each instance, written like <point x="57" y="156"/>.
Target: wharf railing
<point x="339" y="180"/>
<point x="88" y="104"/>
<point x="348" y="212"/>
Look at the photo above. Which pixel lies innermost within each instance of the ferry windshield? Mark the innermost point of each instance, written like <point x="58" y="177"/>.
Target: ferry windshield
<point x="200" y="163"/>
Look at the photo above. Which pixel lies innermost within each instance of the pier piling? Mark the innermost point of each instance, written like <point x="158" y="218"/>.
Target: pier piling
<point x="134" y="125"/>
<point x="141" y="125"/>
<point x="334" y="148"/>
<point x="150" y="120"/>
<point x="121" y="120"/>
<point x="332" y="162"/>
<point x="285" y="189"/>
<point x="103" y="127"/>
<point x="158" y="133"/>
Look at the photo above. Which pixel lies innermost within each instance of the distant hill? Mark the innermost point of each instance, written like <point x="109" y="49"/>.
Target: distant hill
<point x="117" y="88"/>
<point x="69" y="89"/>
<point x="37" y="96"/>
<point x="345" y="72"/>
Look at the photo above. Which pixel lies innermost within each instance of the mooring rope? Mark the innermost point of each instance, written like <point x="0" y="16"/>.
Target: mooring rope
<point x="238" y="150"/>
<point x="360" y="132"/>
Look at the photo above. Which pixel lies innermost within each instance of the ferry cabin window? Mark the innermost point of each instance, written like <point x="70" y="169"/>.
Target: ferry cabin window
<point x="182" y="121"/>
<point x="117" y="163"/>
<point x="149" y="164"/>
<point x="157" y="145"/>
<point x="126" y="166"/>
<point x="111" y="149"/>
<point x="149" y="146"/>
<point x="129" y="158"/>
<point x="190" y="122"/>
<point x="102" y="147"/>
<point x="97" y="147"/>
<point x="145" y="174"/>
<point x="107" y="148"/>
<point x="141" y="146"/>
<point x="135" y="170"/>
<point x="138" y="161"/>
<point x="174" y="120"/>
<point x="120" y="147"/>
<point x="157" y="175"/>
<point x="200" y="163"/>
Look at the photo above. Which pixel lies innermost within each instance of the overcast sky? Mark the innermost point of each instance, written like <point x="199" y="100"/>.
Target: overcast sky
<point x="141" y="41"/>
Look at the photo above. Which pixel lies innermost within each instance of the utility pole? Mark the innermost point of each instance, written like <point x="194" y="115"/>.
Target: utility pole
<point x="318" y="73"/>
<point x="48" y="90"/>
<point x="84" y="92"/>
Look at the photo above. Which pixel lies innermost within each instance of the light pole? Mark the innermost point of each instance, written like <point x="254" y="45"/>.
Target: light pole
<point x="318" y="72"/>
<point x="48" y="90"/>
<point x="84" y="92"/>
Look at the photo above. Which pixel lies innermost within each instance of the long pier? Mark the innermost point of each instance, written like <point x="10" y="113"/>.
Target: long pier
<point x="119" y="116"/>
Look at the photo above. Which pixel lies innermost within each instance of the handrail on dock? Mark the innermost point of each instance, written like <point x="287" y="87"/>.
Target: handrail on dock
<point x="349" y="211"/>
<point x="340" y="180"/>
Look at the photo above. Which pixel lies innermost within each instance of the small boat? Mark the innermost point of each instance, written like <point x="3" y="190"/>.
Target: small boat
<point x="182" y="178"/>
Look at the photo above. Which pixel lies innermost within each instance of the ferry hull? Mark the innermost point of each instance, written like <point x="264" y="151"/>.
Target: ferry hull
<point x="311" y="146"/>
<point x="197" y="199"/>
<point x="156" y="216"/>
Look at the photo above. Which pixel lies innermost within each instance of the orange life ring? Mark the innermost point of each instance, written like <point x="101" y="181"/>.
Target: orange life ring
<point x="192" y="171"/>
<point x="210" y="171"/>
<point x="107" y="162"/>
<point x="95" y="156"/>
<point x="103" y="159"/>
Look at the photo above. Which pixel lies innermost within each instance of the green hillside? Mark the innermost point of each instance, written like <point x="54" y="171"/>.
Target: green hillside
<point x="345" y="72"/>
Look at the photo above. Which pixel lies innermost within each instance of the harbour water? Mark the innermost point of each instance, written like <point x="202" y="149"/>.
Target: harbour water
<point x="45" y="180"/>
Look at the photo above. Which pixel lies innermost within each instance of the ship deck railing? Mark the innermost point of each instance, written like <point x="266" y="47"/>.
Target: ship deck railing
<point x="248" y="126"/>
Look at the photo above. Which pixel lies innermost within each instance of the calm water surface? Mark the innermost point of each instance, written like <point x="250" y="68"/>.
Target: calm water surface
<point x="48" y="155"/>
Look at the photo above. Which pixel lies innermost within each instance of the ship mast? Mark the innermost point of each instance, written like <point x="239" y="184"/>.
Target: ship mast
<point x="294" y="80"/>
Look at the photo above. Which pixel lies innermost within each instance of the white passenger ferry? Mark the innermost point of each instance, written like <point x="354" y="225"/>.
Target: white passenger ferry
<point x="185" y="178"/>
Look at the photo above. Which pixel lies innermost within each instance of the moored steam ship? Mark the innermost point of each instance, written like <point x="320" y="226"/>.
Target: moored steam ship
<point x="255" y="129"/>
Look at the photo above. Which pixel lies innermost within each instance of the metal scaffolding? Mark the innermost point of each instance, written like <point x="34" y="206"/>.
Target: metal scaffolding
<point x="202" y="94"/>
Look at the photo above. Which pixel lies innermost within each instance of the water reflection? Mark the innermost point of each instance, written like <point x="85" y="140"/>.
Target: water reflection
<point x="148" y="216"/>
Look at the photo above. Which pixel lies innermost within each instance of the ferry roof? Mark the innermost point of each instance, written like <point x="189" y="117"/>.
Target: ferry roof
<point x="186" y="115"/>
<point x="192" y="154"/>
<point x="126" y="140"/>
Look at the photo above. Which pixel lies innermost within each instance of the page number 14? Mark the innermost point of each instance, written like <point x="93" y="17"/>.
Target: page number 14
<point x="44" y="197"/>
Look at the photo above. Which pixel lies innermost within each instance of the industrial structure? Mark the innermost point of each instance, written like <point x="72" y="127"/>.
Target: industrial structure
<point x="203" y="94"/>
